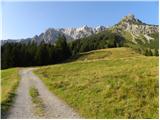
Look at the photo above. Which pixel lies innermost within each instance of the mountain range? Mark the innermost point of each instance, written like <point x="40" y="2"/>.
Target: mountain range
<point x="134" y="27"/>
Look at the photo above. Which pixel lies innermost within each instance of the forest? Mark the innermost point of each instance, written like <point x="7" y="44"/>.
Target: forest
<point x="31" y="54"/>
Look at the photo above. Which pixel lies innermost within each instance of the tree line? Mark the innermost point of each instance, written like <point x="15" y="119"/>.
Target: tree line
<point x="105" y="39"/>
<point x="31" y="54"/>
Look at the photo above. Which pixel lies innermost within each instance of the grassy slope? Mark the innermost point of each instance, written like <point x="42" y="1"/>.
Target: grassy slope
<point x="108" y="54"/>
<point x="9" y="83"/>
<point x="122" y="85"/>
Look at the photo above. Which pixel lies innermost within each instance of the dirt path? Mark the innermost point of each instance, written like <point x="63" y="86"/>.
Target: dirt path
<point x="23" y="107"/>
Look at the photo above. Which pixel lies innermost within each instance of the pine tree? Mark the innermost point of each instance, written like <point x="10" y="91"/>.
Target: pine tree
<point x="62" y="47"/>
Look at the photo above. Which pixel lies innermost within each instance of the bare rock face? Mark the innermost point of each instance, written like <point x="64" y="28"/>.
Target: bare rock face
<point x="77" y="33"/>
<point x="135" y="26"/>
<point x="51" y="34"/>
<point x="100" y="28"/>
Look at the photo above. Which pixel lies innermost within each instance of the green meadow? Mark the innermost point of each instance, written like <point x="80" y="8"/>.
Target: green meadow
<point x="106" y="83"/>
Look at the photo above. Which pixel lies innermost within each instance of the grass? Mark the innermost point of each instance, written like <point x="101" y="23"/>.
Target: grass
<point x="105" y="54"/>
<point x="122" y="84"/>
<point x="9" y="82"/>
<point x="37" y="101"/>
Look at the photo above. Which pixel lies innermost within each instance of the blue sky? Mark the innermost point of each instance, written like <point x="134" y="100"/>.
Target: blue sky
<point x="26" y="19"/>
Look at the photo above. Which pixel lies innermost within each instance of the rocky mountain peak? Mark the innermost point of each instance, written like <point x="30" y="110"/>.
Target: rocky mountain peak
<point x="85" y="27"/>
<point x="135" y="26"/>
<point x="100" y="28"/>
<point x="130" y="19"/>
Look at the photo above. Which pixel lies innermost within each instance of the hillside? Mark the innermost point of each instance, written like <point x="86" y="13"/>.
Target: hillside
<point x="105" y="54"/>
<point x="107" y="83"/>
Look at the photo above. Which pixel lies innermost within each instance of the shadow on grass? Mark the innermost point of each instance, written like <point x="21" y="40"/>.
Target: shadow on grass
<point x="5" y="105"/>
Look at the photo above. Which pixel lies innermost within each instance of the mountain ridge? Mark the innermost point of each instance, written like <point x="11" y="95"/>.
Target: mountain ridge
<point x="128" y="23"/>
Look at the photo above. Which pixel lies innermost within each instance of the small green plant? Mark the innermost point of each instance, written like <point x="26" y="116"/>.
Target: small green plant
<point x="37" y="101"/>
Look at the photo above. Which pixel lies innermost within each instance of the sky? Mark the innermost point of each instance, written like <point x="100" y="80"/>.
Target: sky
<point x="26" y="19"/>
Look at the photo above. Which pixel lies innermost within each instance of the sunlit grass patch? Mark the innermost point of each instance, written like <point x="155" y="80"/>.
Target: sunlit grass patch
<point x="123" y="85"/>
<point x="9" y="82"/>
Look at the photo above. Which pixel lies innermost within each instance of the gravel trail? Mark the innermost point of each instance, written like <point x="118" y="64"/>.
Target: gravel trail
<point x="23" y="107"/>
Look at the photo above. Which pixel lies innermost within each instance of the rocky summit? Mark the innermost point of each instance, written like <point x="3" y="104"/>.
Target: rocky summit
<point x="135" y="26"/>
